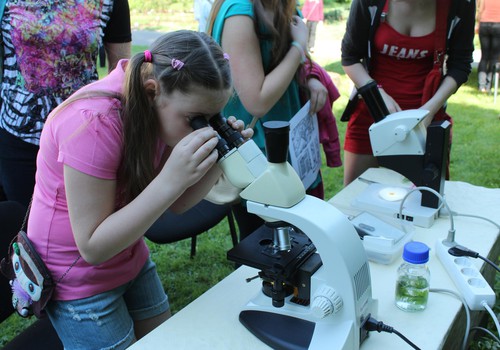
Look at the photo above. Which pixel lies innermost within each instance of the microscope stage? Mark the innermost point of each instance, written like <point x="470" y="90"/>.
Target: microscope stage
<point x="257" y="251"/>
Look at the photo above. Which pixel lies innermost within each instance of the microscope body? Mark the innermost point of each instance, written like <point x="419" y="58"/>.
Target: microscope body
<point x="316" y="289"/>
<point x="402" y="143"/>
<point x="327" y="277"/>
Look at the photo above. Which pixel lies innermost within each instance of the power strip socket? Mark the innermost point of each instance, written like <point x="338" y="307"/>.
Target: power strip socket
<point x="467" y="278"/>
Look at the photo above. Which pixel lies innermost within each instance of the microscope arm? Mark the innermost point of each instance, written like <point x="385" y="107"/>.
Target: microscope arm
<point x="402" y="142"/>
<point x="334" y="291"/>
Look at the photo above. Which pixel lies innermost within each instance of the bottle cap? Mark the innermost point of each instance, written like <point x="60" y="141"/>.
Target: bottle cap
<point x="416" y="252"/>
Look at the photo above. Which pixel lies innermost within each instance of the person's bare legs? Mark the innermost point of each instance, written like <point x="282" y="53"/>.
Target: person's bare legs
<point x="356" y="164"/>
<point x="143" y="327"/>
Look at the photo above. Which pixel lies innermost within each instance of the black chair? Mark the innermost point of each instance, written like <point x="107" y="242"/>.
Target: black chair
<point x="41" y="334"/>
<point x="172" y="227"/>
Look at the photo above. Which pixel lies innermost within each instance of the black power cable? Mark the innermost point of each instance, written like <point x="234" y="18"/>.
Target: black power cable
<point x="372" y="324"/>
<point x="459" y="250"/>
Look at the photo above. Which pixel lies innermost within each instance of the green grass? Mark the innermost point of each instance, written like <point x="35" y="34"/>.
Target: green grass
<point x="163" y="21"/>
<point x="474" y="159"/>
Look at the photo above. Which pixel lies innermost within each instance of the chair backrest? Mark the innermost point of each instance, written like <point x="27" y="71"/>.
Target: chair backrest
<point x="172" y="227"/>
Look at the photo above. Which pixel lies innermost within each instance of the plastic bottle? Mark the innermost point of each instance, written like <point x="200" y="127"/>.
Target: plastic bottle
<point x="412" y="285"/>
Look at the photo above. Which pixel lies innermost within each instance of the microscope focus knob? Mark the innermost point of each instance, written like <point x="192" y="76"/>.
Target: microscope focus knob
<point x="400" y="133"/>
<point x="326" y="302"/>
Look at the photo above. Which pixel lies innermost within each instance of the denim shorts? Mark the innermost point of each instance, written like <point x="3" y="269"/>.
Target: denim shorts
<point x="106" y="320"/>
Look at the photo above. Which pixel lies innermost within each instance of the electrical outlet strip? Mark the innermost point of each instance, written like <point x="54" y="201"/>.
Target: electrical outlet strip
<point x="467" y="278"/>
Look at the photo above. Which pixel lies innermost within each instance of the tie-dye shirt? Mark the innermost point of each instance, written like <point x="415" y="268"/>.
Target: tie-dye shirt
<point x="50" y="51"/>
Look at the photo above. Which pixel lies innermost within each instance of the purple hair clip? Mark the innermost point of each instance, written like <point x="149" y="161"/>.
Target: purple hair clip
<point x="226" y="56"/>
<point x="177" y="64"/>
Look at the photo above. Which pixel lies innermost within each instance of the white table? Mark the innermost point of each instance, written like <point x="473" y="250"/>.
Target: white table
<point x="211" y="321"/>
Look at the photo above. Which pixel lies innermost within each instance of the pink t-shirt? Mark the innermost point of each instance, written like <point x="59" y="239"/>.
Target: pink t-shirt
<point x="86" y="136"/>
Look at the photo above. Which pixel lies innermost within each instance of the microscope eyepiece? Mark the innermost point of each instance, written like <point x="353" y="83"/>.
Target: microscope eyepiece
<point x="233" y="137"/>
<point x="222" y="147"/>
<point x="228" y="137"/>
<point x="277" y="133"/>
<point x="198" y="122"/>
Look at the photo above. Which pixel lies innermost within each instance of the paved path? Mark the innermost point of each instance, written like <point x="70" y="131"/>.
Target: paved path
<point x="144" y="37"/>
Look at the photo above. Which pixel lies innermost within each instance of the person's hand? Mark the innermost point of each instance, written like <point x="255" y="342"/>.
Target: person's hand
<point x="191" y="158"/>
<point x="239" y="126"/>
<point x="299" y="31"/>
<point x="391" y="104"/>
<point x="318" y="95"/>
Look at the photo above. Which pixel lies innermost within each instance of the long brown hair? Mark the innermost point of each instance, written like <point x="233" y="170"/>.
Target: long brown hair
<point x="277" y="31"/>
<point x="204" y="65"/>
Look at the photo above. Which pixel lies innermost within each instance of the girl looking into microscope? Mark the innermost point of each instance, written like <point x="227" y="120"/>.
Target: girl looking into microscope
<point x="113" y="158"/>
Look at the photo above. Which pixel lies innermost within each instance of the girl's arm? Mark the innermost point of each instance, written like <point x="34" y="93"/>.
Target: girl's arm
<point x="446" y="89"/>
<point x="101" y="231"/>
<point x="258" y="92"/>
<point x="116" y="52"/>
<point x="117" y="34"/>
<point x="480" y="9"/>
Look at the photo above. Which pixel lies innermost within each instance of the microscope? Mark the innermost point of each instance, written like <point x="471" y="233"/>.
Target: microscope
<point x="402" y="143"/>
<point x="316" y="287"/>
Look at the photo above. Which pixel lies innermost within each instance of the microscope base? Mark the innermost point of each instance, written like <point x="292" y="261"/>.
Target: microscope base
<point x="284" y="329"/>
<point x="280" y="332"/>
<point x="370" y="200"/>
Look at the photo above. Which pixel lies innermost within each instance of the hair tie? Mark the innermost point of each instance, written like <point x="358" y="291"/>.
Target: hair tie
<point x="176" y="64"/>
<point x="226" y="56"/>
<point x="148" y="57"/>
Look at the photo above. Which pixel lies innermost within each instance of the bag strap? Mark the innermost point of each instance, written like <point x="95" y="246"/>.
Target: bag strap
<point x="440" y="37"/>
<point x="23" y="225"/>
<point x="434" y="77"/>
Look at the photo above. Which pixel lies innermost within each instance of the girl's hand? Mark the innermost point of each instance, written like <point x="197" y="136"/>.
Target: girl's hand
<point x="391" y="104"/>
<point x="299" y="31"/>
<point x="318" y="95"/>
<point x="239" y="125"/>
<point x="191" y="158"/>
